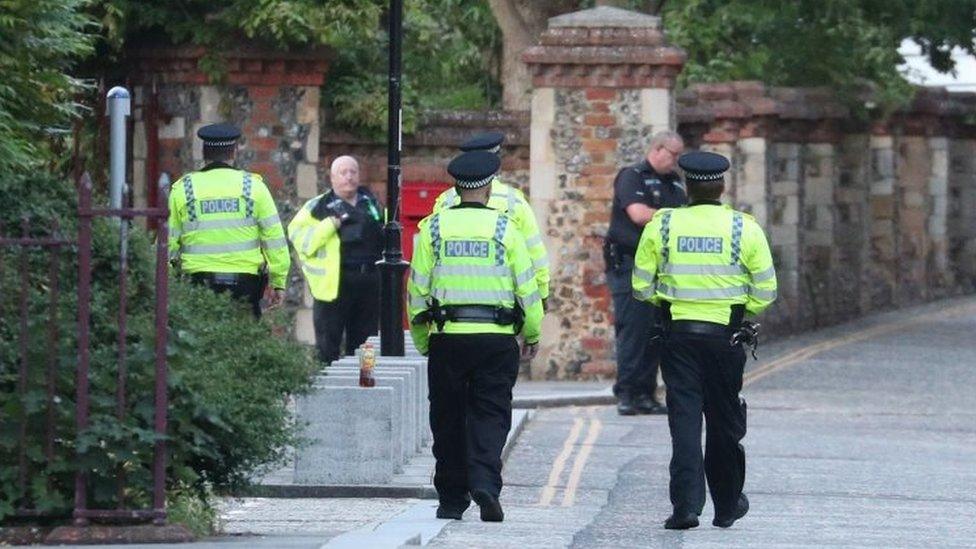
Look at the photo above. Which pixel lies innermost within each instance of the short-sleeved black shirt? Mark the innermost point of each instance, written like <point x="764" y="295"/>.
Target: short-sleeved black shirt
<point x="640" y="184"/>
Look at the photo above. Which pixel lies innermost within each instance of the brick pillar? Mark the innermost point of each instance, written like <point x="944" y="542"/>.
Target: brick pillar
<point x="603" y="84"/>
<point x="853" y="223"/>
<point x="272" y="96"/>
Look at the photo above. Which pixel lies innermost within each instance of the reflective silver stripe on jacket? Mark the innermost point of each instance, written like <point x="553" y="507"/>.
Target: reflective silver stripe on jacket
<point x="274" y="243"/>
<point x="529" y="300"/>
<point x="218" y="224"/>
<point x="313" y="270"/>
<point x="540" y="263"/>
<point x="703" y="293"/>
<point x="644" y="275"/>
<point x="764" y="275"/>
<point x="762" y="294"/>
<point x="471" y="270"/>
<point x="486" y="297"/>
<point x="449" y="198"/>
<point x="175" y="233"/>
<point x="222" y="248"/>
<point x="533" y="241"/>
<point x="418" y="302"/>
<point x="705" y="270"/>
<point x="420" y="279"/>
<point x="524" y="276"/>
<point x="645" y="294"/>
<point x="269" y="221"/>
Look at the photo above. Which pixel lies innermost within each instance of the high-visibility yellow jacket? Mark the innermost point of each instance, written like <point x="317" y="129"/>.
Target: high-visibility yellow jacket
<point x="317" y="244"/>
<point x="471" y="255"/>
<point x="223" y="220"/>
<point x="510" y="200"/>
<point x="703" y="259"/>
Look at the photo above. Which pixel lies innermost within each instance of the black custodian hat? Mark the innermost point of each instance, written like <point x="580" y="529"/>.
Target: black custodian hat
<point x="702" y="166"/>
<point x="219" y="135"/>
<point x="488" y="141"/>
<point x="474" y="169"/>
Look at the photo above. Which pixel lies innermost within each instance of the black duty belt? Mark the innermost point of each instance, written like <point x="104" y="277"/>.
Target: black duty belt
<point x="697" y="327"/>
<point x="479" y="313"/>
<point x="224" y="279"/>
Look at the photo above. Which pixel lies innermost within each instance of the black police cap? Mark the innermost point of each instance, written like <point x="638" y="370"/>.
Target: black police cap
<point x="488" y="141"/>
<point x="219" y="135"/>
<point x="474" y="169"/>
<point x="703" y="166"/>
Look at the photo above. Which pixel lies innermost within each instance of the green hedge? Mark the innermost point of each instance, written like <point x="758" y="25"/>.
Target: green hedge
<point x="229" y="376"/>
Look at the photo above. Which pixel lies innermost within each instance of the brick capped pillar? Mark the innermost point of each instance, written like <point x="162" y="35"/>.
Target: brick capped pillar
<point x="603" y="84"/>
<point x="272" y="96"/>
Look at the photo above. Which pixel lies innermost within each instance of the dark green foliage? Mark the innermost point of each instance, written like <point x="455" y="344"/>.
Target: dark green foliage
<point x="450" y="61"/>
<point x="39" y="39"/>
<point x="848" y="45"/>
<point x="228" y="375"/>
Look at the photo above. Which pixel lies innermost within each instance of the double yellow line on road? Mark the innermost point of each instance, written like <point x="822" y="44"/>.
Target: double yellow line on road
<point x="593" y="428"/>
<point x="592" y="425"/>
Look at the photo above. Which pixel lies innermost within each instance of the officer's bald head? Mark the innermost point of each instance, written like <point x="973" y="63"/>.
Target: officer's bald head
<point x="344" y="176"/>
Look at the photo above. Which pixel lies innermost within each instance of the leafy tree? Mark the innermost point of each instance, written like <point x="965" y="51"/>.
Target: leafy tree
<point x="849" y="45"/>
<point x="450" y="61"/>
<point x="39" y="40"/>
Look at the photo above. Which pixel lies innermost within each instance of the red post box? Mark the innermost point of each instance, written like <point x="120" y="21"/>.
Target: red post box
<point x="416" y="202"/>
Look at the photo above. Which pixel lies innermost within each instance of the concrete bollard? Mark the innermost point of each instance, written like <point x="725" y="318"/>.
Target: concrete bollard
<point x="411" y="422"/>
<point x="352" y="436"/>
<point x="418" y="364"/>
<point x="403" y="438"/>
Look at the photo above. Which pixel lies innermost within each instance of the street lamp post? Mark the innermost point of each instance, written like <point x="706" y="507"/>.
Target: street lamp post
<point x="392" y="267"/>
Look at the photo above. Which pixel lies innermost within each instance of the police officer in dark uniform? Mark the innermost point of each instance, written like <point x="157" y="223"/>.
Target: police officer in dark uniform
<point x="355" y="311"/>
<point x="638" y="192"/>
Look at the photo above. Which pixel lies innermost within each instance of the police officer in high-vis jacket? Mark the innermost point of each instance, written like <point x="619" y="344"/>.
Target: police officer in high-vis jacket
<point x="510" y="200"/>
<point x="223" y="225"/>
<point x="472" y="290"/>
<point x="339" y="238"/>
<point x="707" y="267"/>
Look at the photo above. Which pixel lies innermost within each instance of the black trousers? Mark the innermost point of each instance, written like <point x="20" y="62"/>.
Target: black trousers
<point x="354" y="312"/>
<point x="638" y="355"/>
<point x="703" y="375"/>
<point x="470" y="377"/>
<point x="245" y="287"/>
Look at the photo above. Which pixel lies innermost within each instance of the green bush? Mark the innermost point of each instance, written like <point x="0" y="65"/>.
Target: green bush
<point x="228" y="380"/>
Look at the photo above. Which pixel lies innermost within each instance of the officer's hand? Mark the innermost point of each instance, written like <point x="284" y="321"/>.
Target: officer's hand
<point x="545" y="305"/>
<point x="529" y="350"/>
<point x="274" y="297"/>
<point x="336" y="220"/>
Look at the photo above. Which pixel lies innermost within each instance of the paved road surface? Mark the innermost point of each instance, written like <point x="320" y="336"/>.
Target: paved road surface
<point x="863" y="436"/>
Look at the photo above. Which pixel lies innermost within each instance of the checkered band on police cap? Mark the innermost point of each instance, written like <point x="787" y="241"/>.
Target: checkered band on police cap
<point x="219" y="135"/>
<point x="488" y="141"/>
<point x="703" y="166"/>
<point x="474" y="169"/>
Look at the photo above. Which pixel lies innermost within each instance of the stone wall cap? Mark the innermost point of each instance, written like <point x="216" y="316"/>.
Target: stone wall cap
<point x="605" y="16"/>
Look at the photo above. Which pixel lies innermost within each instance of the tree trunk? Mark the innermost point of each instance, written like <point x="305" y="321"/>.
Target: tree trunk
<point x="516" y="37"/>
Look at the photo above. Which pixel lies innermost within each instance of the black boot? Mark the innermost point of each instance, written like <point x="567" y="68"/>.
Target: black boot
<point x="625" y="406"/>
<point x="646" y="404"/>
<point x="681" y="521"/>
<point x="741" y="508"/>
<point x="491" y="508"/>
